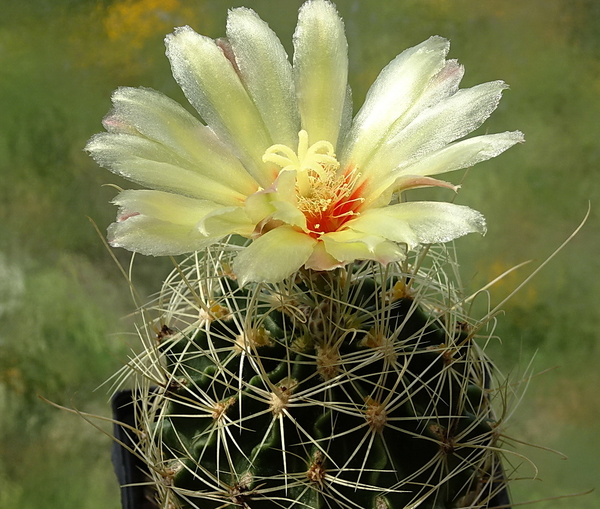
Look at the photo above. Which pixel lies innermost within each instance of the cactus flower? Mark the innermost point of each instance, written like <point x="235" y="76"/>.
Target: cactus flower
<point x="281" y="161"/>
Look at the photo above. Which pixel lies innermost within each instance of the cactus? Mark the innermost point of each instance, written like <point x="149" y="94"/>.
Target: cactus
<point x="326" y="362"/>
<point x="360" y="387"/>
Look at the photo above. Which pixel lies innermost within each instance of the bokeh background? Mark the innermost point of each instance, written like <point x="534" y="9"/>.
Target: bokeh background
<point x="64" y="306"/>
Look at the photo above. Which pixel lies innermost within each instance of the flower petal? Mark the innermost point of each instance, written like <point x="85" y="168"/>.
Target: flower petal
<point x="347" y="112"/>
<point x="273" y="256"/>
<point x="168" y="207"/>
<point x="211" y="84"/>
<point x="441" y="86"/>
<point x="439" y="125"/>
<point x="464" y="154"/>
<point x="320" y="70"/>
<point x="405" y="182"/>
<point x="278" y="202"/>
<point x="320" y="259"/>
<point x="157" y="223"/>
<point x="266" y="73"/>
<point x="398" y="184"/>
<point x="415" y="223"/>
<point x="152" y="165"/>
<point x="150" y="114"/>
<point x="444" y="84"/>
<point x="348" y="245"/>
<point x="225" y="221"/>
<point x="394" y="92"/>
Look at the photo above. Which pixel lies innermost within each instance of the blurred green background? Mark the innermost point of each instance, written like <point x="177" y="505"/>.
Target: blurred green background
<point x="62" y="299"/>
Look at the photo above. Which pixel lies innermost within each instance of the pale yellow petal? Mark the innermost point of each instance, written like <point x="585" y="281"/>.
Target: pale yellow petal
<point x="415" y="223"/>
<point x="349" y="245"/>
<point x="438" y="126"/>
<point x="320" y="70"/>
<point x="278" y="202"/>
<point x="464" y="154"/>
<point x="266" y="72"/>
<point x="383" y="224"/>
<point x="320" y="259"/>
<point x="168" y="207"/>
<point x="156" y="223"/>
<point x="153" y="237"/>
<point x="211" y="84"/>
<point x="382" y="196"/>
<point x="225" y="221"/>
<point x="399" y="85"/>
<point x="150" y="164"/>
<point x="441" y="86"/>
<point x="164" y="122"/>
<point x="274" y="256"/>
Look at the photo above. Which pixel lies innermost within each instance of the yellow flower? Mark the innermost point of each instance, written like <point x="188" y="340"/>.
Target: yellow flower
<point x="280" y="159"/>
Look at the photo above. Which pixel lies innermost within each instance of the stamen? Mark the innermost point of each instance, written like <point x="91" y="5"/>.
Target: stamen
<point x="326" y="197"/>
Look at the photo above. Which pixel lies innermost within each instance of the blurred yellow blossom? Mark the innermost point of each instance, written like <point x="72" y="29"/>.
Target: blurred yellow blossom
<point x="135" y="21"/>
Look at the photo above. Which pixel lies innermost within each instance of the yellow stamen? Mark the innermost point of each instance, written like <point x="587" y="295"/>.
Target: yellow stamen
<point x="323" y="194"/>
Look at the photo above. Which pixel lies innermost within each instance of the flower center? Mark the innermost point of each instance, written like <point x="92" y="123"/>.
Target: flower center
<point x="326" y="197"/>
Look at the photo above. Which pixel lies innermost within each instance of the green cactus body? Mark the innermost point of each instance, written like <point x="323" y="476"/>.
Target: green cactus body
<point x="338" y="389"/>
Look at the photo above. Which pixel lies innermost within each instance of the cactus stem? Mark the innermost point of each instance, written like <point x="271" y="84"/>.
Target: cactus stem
<point x="357" y="388"/>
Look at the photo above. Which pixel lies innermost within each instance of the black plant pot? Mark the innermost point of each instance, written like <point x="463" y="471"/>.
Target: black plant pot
<point x="136" y="490"/>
